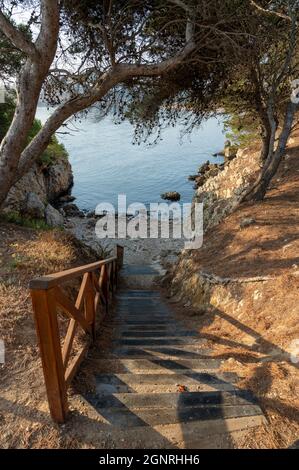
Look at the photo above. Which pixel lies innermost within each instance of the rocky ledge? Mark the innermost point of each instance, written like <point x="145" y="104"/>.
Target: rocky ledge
<point x="38" y="191"/>
<point x="222" y="185"/>
<point x="47" y="183"/>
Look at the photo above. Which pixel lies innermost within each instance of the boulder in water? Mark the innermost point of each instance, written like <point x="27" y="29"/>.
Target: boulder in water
<point x="171" y="196"/>
<point x="72" y="210"/>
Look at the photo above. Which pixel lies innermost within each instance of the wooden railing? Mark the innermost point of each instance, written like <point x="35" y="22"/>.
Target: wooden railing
<point x="98" y="284"/>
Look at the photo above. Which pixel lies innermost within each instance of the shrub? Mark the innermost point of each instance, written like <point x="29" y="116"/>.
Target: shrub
<point x="15" y="217"/>
<point x="55" y="150"/>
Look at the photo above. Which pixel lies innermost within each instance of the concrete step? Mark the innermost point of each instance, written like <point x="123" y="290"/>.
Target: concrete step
<point x="149" y="342"/>
<point x="137" y="293"/>
<point x="154" y="330"/>
<point x="210" y="434"/>
<point x="139" y="324"/>
<point x="153" y="417"/>
<point x="155" y="334"/>
<point x="190" y="346"/>
<point x="146" y="366"/>
<point x="141" y="312"/>
<point x="138" y="277"/>
<point x="135" y="401"/>
<point x="155" y="353"/>
<point x="142" y="300"/>
<point x="158" y="383"/>
<point x="149" y="317"/>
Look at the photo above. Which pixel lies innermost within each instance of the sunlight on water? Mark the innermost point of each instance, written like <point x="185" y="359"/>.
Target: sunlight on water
<point x="106" y="163"/>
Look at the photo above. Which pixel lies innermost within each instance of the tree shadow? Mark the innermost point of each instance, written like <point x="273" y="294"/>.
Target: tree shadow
<point x="275" y="224"/>
<point x="196" y="414"/>
<point x="260" y="343"/>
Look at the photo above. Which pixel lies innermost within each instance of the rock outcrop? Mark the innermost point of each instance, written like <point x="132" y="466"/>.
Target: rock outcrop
<point x="171" y="196"/>
<point x="206" y="171"/>
<point x="53" y="217"/>
<point x="72" y="210"/>
<point x="220" y="193"/>
<point x="47" y="183"/>
<point x="33" y="207"/>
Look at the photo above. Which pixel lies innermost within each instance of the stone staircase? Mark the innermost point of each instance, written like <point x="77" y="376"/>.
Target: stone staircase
<point x="156" y="383"/>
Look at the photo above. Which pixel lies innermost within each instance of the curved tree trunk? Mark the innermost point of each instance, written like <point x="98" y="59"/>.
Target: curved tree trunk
<point x="258" y="190"/>
<point x="266" y="137"/>
<point x="15" y="157"/>
<point x="40" y="56"/>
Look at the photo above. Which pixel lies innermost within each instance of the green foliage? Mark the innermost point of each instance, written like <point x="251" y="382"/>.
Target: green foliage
<point x="53" y="153"/>
<point x="55" y="150"/>
<point x="240" y="129"/>
<point x="15" y="217"/>
<point x="11" y="59"/>
<point x="6" y="114"/>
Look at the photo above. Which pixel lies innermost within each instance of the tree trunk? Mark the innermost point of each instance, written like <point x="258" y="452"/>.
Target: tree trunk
<point x="259" y="189"/>
<point x="32" y="76"/>
<point x="266" y="137"/>
<point x="15" y="139"/>
<point x="15" y="159"/>
<point x="257" y="193"/>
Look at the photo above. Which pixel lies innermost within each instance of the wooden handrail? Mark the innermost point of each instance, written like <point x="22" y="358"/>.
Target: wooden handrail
<point x="98" y="284"/>
<point x="52" y="280"/>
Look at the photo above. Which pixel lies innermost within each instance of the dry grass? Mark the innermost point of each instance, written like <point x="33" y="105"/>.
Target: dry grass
<point x="24" y="254"/>
<point x="254" y="339"/>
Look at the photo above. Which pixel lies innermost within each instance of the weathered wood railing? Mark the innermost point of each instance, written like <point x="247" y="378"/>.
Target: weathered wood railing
<point x="98" y="284"/>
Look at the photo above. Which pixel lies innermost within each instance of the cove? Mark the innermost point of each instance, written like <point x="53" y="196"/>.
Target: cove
<point x="105" y="162"/>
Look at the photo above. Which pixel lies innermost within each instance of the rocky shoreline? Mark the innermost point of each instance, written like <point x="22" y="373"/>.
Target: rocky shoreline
<point x="158" y="252"/>
<point x="36" y="194"/>
<point x="220" y="191"/>
<point x="45" y="193"/>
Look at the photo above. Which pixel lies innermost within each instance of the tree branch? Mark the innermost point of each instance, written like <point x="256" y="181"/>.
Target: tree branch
<point x="181" y="4"/>
<point x="190" y="13"/>
<point x="16" y="37"/>
<point x="269" y="12"/>
<point x="111" y="78"/>
<point x="115" y="75"/>
<point x="48" y="35"/>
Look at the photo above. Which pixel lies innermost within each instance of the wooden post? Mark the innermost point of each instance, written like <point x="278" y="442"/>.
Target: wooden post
<point x="90" y="305"/>
<point x="120" y="256"/>
<point x="106" y="287"/>
<point x="113" y="277"/>
<point x="49" y="342"/>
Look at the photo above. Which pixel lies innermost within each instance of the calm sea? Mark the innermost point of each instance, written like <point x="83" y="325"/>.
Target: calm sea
<point x="106" y="163"/>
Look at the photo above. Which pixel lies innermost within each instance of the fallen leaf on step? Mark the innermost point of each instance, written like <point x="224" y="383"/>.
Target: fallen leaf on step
<point x="182" y="388"/>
